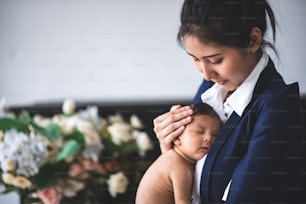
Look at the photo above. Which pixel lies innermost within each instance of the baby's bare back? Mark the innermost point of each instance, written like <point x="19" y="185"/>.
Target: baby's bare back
<point x="156" y="184"/>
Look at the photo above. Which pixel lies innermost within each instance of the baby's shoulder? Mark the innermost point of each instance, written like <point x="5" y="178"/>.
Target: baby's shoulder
<point x="177" y="163"/>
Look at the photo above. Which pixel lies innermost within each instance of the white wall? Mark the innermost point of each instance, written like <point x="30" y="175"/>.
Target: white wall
<point x="105" y="50"/>
<point x="101" y="50"/>
<point x="291" y="17"/>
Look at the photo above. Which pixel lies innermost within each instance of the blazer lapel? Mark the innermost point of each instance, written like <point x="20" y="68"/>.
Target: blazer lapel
<point x="226" y="130"/>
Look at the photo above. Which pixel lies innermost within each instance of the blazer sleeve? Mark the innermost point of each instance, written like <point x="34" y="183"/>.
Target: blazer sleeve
<point x="271" y="169"/>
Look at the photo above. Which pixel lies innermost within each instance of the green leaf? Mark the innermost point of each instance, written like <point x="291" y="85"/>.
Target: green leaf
<point x="9" y="123"/>
<point x="79" y="137"/>
<point x="51" y="131"/>
<point x="47" y="176"/>
<point x="71" y="148"/>
<point x="127" y="148"/>
<point x="25" y="118"/>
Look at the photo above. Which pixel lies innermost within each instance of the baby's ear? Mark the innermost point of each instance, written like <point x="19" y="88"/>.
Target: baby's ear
<point x="177" y="141"/>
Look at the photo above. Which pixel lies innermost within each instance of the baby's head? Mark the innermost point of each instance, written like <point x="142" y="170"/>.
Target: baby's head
<point x="200" y="133"/>
<point x="204" y="109"/>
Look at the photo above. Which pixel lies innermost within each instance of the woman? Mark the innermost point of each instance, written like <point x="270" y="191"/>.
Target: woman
<point x="258" y="155"/>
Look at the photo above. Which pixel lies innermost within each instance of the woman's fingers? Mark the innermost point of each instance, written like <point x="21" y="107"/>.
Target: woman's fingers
<point x="166" y="142"/>
<point x="175" y="107"/>
<point x="175" y="114"/>
<point x="173" y="110"/>
<point x="171" y="124"/>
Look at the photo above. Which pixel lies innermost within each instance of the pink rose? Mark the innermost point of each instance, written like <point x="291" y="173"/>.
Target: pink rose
<point x="49" y="195"/>
<point x="112" y="166"/>
<point x="76" y="170"/>
<point x="88" y="164"/>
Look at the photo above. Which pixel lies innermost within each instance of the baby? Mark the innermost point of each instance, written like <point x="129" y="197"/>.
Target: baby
<point x="169" y="178"/>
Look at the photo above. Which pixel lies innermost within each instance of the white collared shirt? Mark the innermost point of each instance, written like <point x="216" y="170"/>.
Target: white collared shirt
<point x="237" y="102"/>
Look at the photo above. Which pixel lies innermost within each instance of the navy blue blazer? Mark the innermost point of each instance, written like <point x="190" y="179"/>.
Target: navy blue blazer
<point x="261" y="151"/>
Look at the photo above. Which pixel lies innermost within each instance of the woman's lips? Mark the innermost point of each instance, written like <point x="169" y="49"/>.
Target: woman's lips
<point x="221" y="82"/>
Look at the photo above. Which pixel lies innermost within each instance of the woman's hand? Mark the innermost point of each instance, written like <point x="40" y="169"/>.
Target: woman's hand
<point x="171" y="124"/>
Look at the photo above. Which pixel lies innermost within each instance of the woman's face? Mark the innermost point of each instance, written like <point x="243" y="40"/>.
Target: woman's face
<point x="226" y="66"/>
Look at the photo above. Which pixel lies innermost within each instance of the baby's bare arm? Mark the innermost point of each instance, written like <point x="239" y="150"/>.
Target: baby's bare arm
<point x="182" y="185"/>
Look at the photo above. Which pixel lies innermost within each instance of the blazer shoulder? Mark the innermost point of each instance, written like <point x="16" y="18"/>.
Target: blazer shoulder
<point x="278" y="93"/>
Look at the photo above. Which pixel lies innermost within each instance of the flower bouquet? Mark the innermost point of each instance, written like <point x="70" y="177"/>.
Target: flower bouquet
<point x="71" y="157"/>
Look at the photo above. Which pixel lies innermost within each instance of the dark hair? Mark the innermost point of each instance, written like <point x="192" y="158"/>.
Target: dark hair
<point x="204" y="109"/>
<point x="225" y="22"/>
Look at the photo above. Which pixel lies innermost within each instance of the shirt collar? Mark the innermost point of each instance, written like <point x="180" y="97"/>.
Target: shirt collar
<point x="242" y="96"/>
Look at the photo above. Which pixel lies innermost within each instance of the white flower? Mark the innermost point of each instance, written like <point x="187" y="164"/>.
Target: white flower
<point x="67" y="124"/>
<point x="93" y="151"/>
<point x="120" y="132"/>
<point x="117" y="183"/>
<point x="22" y="182"/>
<point x="8" y="165"/>
<point x="143" y="142"/>
<point x="27" y="151"/>
<point x="91" y="114"/>
<point x="117" y="118"/>
<point x="92" y="138"/>
<point x="18" y="181"/>
<point x="68" y="107"/>
<point x="136" y="122"/>
<point x="8" y="178"/>
<point x="90" y="134"/>
<point x="41" y="121"/>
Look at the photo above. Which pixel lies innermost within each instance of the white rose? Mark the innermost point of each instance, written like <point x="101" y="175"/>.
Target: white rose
<point x="68" y="106"/>
<point x="143" y="142"/>
<point x="8" y="178"/>
<point x="117" y="118"/>
<point x="67" y="125"/>
<point x="136" y="122"/>
<point x="22" y="182"/>
<point x="90" y="134"/>
<point x="120" y="132"/>
<point x="41" y="121"/>
<point x="117" y="183"/>
<point x="8" y="165"/>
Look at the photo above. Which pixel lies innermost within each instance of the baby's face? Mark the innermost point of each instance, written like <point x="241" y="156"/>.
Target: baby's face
<point x="198" y="136"/>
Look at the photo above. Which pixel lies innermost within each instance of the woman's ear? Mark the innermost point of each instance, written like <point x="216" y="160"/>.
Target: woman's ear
<point x="255" y="40"/>
<point x="177" y="141"/>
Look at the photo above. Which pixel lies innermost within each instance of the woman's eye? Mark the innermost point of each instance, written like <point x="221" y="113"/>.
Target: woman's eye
<point x="216" y="62"/>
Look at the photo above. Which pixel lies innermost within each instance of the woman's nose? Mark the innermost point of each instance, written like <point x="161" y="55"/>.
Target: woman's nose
<point x="206" y="70"/>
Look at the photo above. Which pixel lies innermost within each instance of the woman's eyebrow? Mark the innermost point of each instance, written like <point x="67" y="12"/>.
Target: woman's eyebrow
<point x="208" y="56"/>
